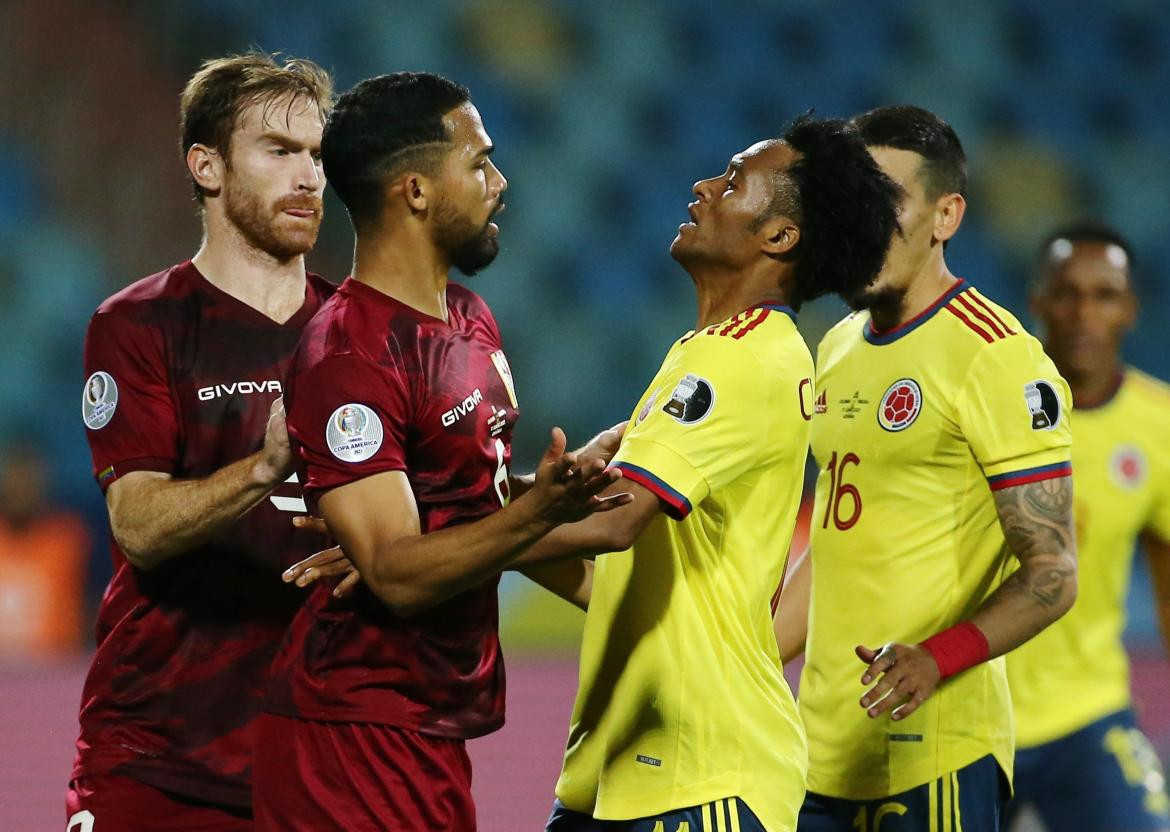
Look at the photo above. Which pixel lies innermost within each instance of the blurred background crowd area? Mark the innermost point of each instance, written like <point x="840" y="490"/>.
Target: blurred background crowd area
<point x="603" y="113"/>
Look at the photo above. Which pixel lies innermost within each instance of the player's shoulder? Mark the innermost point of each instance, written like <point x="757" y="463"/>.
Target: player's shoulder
<point x="324" y="289"/>
<point x="846" y="331"/>
<point x="466" y="302"/>
<point x="163" y="287"/>
<point x="759" y="328"/>
<point x="977" y="328"/>
<point x="762" y="342"/>
<point x="1148" y="392"/>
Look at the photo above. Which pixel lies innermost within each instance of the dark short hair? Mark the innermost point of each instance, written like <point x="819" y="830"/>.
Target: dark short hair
<point x="847" y="209"/>
<point x="1087" y="231"/>
<point x="906" y="127"/>
<point x="383" y="127"/>
<point x="217" y="95"/>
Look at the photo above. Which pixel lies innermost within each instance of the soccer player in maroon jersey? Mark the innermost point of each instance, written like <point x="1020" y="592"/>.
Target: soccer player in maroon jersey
<point x="401" y="409"/>
<point x="182" y="406"/>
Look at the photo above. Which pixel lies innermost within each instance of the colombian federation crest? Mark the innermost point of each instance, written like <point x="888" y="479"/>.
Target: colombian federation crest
<point x="354" y="433"/>
<point x="1128" y="467"/>
<point x="900" y="405"/>
<point x="99" y="400"/>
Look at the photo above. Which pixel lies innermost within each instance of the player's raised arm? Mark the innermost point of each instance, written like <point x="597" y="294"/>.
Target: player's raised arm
<point x="155" y="517"/>
<point x="376" y="521"/>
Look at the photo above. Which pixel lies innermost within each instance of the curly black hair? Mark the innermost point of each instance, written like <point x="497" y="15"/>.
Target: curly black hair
<point x="846" y="207"/>
<point x="906" y="127"/>
<point x="382" y="127"/>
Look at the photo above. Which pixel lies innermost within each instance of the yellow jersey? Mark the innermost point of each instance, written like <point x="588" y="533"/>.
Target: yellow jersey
<point x="914" y="428"/>
<point x="682" y="698"/>
<point x="1076" y="671"/>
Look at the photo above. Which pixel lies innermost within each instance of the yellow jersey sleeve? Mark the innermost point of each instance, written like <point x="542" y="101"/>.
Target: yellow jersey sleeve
<point x="1013" y="408"/>
<point x="700" y="428"/>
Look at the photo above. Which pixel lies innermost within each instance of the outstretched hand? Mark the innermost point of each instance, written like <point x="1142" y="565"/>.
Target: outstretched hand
<point x="909" y="675"/>
<point x="328" y="563"/>
<point x="568" y="486"/>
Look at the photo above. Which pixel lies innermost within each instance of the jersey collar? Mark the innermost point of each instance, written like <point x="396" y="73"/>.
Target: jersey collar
<point x="778" y="307"/>
<point x="876" y="338"/>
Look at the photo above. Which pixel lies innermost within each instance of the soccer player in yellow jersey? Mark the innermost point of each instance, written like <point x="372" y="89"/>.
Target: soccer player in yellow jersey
<point x="1081" y="761"/>
<point x="683" y="721"/>
<point x="942" y="435"/>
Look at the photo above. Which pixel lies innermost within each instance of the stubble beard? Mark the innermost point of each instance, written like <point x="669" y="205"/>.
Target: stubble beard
<point x="260" y="224"/>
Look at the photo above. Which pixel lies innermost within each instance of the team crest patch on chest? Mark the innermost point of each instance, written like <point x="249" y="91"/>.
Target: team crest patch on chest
<point x="505" y="372"/>
<point x="1128" y="467"/>
<point x="354" y="433"/>
<point x="692" y="399"/>
<point x="99" y="400"/>
<point x="900" y="405"/>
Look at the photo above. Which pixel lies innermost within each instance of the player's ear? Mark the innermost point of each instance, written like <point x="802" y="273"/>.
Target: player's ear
<point x="206" y="167"/>
<point x="418" y="191"/>
<point x="779" y="235"/>
<point x="948" y="216"/>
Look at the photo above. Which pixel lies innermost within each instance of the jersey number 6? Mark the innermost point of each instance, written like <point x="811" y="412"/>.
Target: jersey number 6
<point x="838" y="488"/>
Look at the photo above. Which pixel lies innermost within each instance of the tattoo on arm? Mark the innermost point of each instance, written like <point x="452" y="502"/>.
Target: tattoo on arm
<point x="1038" y="526"/>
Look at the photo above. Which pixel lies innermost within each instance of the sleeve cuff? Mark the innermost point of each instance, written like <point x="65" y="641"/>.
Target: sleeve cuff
<point x="1023" y="476"/>
<point x="677" y="505"/>
<point x="105" y="476"/>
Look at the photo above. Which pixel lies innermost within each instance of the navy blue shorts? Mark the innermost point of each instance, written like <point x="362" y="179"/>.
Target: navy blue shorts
<point x="968" y="800"/>
<point x="728" y="815"/>
<point x="1105" y="777"/>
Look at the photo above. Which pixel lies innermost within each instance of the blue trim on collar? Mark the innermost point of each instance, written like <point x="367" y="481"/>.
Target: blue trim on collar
<point x="890" y="336"/>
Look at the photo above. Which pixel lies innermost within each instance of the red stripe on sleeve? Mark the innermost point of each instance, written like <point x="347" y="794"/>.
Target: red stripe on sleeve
<point x="763" y="314"/>
<point x="950" y="307"/>
<point x="975" y="297"/>
<point x="999" y="333"/>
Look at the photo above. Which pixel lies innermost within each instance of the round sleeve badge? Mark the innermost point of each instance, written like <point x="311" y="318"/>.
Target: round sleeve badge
<point x="99" y="400"/>
<point x="354" y="433"/>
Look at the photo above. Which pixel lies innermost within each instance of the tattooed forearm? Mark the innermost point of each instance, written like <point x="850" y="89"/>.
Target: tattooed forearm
<point x="1038" y="527"/>
<point x="1037" y="517"/>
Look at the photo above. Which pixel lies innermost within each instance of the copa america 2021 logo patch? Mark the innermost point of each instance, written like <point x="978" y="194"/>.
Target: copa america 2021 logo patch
<point x="1043" y="404"/>
<point x="692" y="399"/>
<point x="99" y="400"/>
<point x="354" y="433"/>
<point x="900" y="405"/>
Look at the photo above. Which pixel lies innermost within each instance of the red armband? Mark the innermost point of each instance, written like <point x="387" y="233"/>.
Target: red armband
<point x="957" y="648"/>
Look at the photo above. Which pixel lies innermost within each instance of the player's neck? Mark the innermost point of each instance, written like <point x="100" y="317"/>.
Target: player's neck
<point x="926" y="287"/>
<point x="406" y="267"/>
<point x="271" y="286"/>
<point x="1095" y="387"/>
<point x="723" y="295"/>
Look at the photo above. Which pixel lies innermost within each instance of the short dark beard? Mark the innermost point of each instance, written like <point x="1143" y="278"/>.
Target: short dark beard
<point x="886" y="302"/>
<point x="468" y="248"/>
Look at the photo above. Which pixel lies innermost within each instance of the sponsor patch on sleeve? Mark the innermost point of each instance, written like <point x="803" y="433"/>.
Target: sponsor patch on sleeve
<point x="354" y="433"/>
<point x="99" y="400"/>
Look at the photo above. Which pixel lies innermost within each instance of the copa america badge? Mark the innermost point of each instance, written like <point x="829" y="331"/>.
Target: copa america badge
<point x="354" y="433"/>
<point x="99" y="400"/>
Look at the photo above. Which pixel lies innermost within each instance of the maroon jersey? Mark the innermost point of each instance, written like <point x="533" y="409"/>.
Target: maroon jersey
<point x="180" y="379"/>
<point x="378" y="386"/>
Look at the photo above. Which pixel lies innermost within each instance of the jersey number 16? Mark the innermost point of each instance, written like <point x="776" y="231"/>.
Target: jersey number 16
<point x="839" y="488"/>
